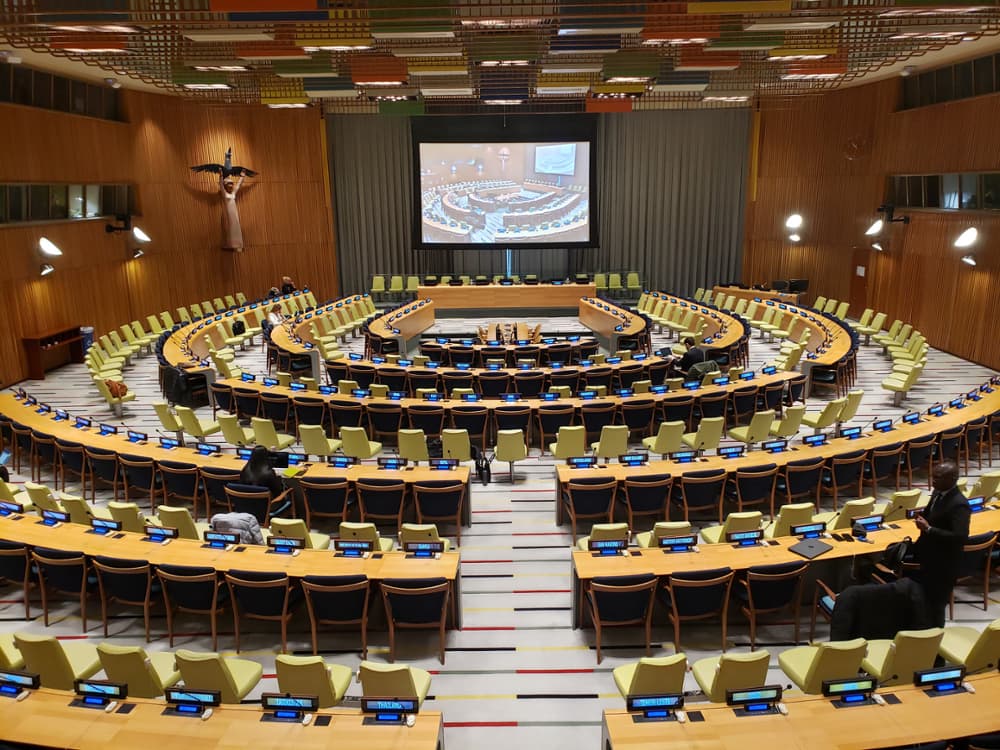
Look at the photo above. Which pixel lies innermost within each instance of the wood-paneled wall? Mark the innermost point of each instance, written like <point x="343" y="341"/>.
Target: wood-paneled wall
<point x="828" y="158"/>
<point x="284" y="212"/>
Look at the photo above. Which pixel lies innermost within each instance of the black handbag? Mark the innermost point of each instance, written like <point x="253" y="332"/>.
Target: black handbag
<point x="896" y="554"/>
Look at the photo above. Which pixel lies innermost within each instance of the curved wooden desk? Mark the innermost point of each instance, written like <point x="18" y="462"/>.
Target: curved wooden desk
<point x="476" y="297"/>
<point x="46" y="719"/>
<point x="610" y="321"/>
<point x="901" y="433"/>
<point x="46" y="424"/>
<point x="792" y="298"/>
<point x="710" y="556"/>
<point x="187" y="344"/>
<point x="814" y="722"/>
<point x="74" y="536"/>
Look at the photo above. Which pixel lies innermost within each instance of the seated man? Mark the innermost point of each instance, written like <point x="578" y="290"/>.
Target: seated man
<point x="692" y="356"/>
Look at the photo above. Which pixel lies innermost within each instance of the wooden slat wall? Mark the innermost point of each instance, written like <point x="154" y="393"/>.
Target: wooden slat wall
<point x="286" y="220"/>
<point x="828" y="158"/>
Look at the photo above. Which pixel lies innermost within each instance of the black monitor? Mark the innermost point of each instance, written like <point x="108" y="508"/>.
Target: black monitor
<point x="798" y="285"/>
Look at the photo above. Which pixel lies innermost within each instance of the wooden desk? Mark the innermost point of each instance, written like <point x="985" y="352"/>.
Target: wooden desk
<point x="46" y="424"/>
<point x="813" y="722"/>
<point x="604" y="318"/>
<point x="750" y="294"/>
<point x="47" y="351"/>
<point x="46" y="719"/>
<point x="410" y="320"/>
<point x="472" y="297"/>
<point x="587" y="567"/>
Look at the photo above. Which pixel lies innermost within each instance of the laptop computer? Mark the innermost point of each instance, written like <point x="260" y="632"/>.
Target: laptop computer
<point x="810" y="548"/>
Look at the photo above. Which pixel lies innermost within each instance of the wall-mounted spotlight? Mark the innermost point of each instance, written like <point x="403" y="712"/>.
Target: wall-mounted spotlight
<point x="877" y="246"/>
<point x="967" y="238"/>
<point x="126" y="226"/>
<point x="888" y="217"/>
<point x="49" y="248"/>
<point x="969" y="260"/>
<point x="137" y="253"/>
<point x="46" y="269"/>
<point x="113" y="83"/>
<point x="794" y="238"/>
<point x="794" y="221"/>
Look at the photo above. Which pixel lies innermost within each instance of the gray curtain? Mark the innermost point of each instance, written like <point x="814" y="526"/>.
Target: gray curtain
<point x="371" y="165"/>
<point x="671" y="193"/>
<point x="671" y="190"/>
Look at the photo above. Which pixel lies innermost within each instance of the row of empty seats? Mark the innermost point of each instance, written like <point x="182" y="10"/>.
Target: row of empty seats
<point x="147" y="674"/>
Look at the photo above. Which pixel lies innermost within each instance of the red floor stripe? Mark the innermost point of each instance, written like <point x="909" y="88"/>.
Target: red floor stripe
<point x="269" y="676"/>
<point x="498" y="627"/>
<point x="72" y="637"/>
<point x="587" y="670"/>
<point x="453" y="724"/>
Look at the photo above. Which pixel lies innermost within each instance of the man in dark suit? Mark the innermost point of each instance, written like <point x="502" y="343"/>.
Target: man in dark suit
<point x="944" y="530"/>
<point x="693" y="355"/>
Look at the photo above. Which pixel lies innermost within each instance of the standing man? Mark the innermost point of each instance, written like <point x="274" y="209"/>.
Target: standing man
<point x="944" y="530"/>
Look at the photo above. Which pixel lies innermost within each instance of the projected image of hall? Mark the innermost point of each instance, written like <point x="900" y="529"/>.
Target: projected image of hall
<point x="505" y="193"/>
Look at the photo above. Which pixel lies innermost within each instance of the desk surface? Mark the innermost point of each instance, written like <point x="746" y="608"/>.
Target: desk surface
<point x="751" y="294"/>
<point x="45" y="718"/>
<point x="64" y="430"/>
<point x="73" y="536"/>
<point x="513" y="296"/>
<point x="813" y="722"/>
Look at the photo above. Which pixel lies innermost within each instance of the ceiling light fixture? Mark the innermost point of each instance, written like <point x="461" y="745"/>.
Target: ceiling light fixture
<point x="113" y="83"/>
<point x="967" y="238"/>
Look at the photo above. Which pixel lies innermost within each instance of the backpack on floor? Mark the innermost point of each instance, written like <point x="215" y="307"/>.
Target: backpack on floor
<point x="482" y="465"/>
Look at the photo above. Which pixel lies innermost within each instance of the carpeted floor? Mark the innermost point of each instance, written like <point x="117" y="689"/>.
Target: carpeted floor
<point x="518" y="673"/>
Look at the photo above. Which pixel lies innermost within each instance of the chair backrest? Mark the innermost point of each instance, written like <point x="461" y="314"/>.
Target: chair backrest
<point x="709" y="432"/>
<point x="834" y="660"/>
<point x="830" y="412"/>
<point x="668" y="437"/>
<point x="571" y="441"/>
<point x="792" y="514"/>
<point x="613" y="441"/>
<point x="128" y="664"/>
<point x="79" y="511"/>
<point x="456" y="444"/>
<point x="659" y="675"/>
<point x="412" y="445"/>
<point x="259" y="593"/>
<point x="264" y="432"/>
<point x="911" y="651"/>
<point x="305" y="675"/>
<point x="363" y="532"/>
<point x="985" y="652"/>
<point x="737" y="672"/>
<point x="900" y="502"/>
<point x="129" y="515"/>
<point x="207" y="671"/>
<point x="294" y="528"/>
<point x="852" y="509"/>
<point x="355" y="441"/>
<point x="44" y="655"/>
<point x="745" y="521"/>
<point x="699" y="593"/>
<point x="851" y="405"/>
<point x="609" y="531"/>
<point x="231" y="429"/>
<point x="415" y="601"/>
<point x="180" y="519"/>
<point x="41" y="497"/>
<point x="760" y="425"/>
<point x="384" y="680"/>
<point x="510" y="445"/>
